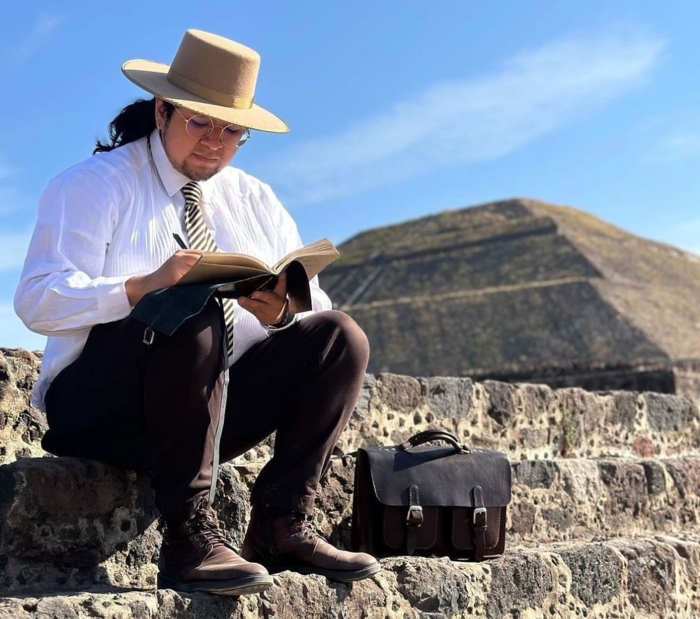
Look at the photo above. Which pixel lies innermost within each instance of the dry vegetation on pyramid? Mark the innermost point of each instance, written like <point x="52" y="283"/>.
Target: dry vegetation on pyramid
<point x="521" y="290"/>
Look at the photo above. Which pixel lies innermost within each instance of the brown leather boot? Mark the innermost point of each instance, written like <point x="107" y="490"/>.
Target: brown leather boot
<point x="195" y="556"/>
<point x="283" y="540"/>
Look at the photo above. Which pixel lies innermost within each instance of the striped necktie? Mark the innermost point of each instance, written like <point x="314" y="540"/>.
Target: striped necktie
<point x="201" y="238"/>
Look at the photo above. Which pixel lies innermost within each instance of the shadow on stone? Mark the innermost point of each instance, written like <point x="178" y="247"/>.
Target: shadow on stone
<point x="72" y="523"/>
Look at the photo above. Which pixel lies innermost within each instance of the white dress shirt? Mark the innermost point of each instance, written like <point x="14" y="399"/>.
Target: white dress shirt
<point x="112" y="217"/>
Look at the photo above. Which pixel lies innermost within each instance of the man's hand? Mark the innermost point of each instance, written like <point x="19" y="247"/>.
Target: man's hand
<point x="268" y="306"/>
<point x="168" y="274"/>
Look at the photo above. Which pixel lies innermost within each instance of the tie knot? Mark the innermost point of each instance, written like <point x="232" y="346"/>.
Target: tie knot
<point x="192" y="192"/>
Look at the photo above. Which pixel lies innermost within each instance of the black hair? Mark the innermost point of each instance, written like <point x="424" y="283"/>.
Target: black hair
<point x="135" y="121"/>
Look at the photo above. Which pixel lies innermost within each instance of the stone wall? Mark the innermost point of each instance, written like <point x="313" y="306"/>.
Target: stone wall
<point x="604" y="521"/>
<point x="21" y="426"/>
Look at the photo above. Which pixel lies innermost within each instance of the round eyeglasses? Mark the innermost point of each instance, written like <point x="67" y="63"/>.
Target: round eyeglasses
<point x="200" y="126"/>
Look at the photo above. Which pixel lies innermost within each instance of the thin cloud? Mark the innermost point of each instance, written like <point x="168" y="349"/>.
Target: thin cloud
<point x="12" y="201"/>
<point x="6" y="170"/>
<point x="13" y="249"/>
<point x="9" y="194"/>
<point x="468" y="121"/>
<point x="681" y="144"/>
<point x="44" y="26"/>
<point x="670" y="137"/>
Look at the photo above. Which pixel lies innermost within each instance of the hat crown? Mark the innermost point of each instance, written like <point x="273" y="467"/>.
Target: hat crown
<point x="218" y="69"/>
<point x="210" y="75"/>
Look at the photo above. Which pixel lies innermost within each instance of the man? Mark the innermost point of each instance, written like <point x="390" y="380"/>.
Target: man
<point x="104" y="238"/>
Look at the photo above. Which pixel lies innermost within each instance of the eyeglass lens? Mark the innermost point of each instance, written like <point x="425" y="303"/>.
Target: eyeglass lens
<point x="201" y="126"/>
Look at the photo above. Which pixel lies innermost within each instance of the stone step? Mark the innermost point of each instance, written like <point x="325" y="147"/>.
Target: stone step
<point x="67" y="523"/>
<point x="561" y="499"/>
<point x="526" y="421"/>
<point x="647" y="577"/>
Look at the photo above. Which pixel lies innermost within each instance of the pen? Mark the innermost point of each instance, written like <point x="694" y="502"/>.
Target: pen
<point x="179" y="240"/>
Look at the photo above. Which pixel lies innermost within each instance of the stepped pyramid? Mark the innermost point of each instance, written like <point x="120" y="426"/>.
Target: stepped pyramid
<point x="604" y="521"/>
<point x="521" y="290"/>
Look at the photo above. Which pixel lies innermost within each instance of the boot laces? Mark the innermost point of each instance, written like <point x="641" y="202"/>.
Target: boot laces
<point x="210" y="528"/>
<point x="304" y="525"/>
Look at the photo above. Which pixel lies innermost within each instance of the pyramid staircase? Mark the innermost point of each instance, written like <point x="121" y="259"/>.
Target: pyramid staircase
<point x="604" y="521"/>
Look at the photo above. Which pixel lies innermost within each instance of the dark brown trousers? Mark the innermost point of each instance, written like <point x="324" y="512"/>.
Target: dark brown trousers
<point x="155" y="408"/>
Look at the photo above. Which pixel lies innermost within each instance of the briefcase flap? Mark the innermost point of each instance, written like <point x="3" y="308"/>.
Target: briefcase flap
<point x="444" y="476"/>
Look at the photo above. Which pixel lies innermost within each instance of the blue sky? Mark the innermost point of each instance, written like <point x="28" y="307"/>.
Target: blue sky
<point x="398" y="109"/>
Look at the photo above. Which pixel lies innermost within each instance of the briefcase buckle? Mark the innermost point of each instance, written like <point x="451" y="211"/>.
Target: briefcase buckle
<point x="148" y="336"/>
<point x="414" y="518"/>
<point x="480" y="518"/>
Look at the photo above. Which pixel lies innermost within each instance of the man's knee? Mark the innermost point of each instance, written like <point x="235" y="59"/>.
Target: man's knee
<point x="342" y="331"/>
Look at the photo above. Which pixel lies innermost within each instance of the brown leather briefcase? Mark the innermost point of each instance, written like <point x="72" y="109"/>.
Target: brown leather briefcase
<point x="415" y="499"/>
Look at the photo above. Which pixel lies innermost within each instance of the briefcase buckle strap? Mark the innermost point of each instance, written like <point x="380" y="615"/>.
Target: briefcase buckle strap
<point x="148" y="336"/>
<point x="480" y="518"/>
<point x="414" y="518"/>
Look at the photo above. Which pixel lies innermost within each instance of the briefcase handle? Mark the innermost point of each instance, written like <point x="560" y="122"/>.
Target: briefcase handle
<point x="434" y="435"/>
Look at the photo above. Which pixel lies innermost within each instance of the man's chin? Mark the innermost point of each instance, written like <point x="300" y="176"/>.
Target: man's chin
<point x="198" y="174"/>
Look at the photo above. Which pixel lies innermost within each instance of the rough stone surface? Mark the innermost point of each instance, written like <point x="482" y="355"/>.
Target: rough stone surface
<point x="596" y="573"/>
<point x="231" y="500"/>
<point x="526" y="421"/>
<point x="67" y="523"/>
<point x="535" y="473"/>
<point x="627" y="488"/>
<point x="670" y="412"/>
<point x="625" y="406"/>
<point x="594" y="475"/>
<point x="21" y="426"/>
<point x="645" y="577"/>
<point x="437" y="588"/>
<point x="447" y="396"/>
<point x="501" y="401"/>
<point x="656" y="480"/>
<point x="525" y="575"/>
<point x="654" y="581"/>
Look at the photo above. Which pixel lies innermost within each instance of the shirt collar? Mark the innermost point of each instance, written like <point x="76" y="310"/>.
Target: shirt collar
<point x="172" y="180"/>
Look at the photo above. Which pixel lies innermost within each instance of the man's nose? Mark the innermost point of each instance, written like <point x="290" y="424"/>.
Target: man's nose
<point x="213" y="140"/>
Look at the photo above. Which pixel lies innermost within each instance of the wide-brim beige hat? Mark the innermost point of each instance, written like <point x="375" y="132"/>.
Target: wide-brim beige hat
<point x="210" y="75"/>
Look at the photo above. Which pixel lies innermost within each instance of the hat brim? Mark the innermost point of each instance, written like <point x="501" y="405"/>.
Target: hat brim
<point x="152" y="77"/>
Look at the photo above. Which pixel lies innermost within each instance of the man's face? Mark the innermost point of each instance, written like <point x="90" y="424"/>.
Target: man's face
<point x="197" y="159"/>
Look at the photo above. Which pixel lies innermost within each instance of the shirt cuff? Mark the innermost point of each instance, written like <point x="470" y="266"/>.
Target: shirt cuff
<point x="112" y="300"/>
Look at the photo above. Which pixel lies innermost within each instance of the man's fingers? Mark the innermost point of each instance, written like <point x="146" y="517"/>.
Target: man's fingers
<point x="281" y="287"/>
<point x="190" y="257"/>
<point x="263" y="311"/>
<point x="261" y="296"/>
<point x="266" y="303"/>
<point x="248" y="303"/>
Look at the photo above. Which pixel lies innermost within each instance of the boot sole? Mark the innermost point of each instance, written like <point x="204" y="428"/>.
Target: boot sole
<point x="234" y="586"/>
<point x="336" y="575"/>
